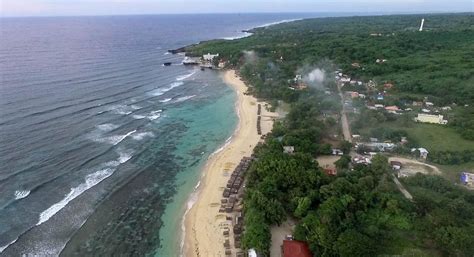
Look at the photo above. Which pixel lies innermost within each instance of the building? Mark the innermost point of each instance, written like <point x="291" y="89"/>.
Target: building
<point x="294" y="248"/>
<point x="467" y="179"/>
<point x="430" y="118"/>
<point x="423" y="152"/>
<point x="330" y="171"/>
<point x="209" y="57"/>
<point x="392" y="108"/>
<point x="396" y="165"/>
<point x="288" y="149"/>
<point x="337" y="152"/>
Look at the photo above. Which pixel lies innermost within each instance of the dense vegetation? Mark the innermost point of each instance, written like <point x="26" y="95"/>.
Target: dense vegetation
<point x="358" y="212"/>
<point x="436" y="62"/>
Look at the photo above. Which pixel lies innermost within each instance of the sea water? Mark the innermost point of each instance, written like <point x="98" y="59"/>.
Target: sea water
<point x="101" y="144"/>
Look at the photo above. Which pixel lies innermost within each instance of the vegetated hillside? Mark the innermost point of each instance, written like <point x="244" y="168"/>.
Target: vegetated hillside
<point x="436" y="61"/>
<point x="359" y="212"/>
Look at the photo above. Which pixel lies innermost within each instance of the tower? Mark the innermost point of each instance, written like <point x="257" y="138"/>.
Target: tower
<point x="421" y="26"/>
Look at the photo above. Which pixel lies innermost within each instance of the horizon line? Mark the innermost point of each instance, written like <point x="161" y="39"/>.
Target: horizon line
<point x="243" y="13"/>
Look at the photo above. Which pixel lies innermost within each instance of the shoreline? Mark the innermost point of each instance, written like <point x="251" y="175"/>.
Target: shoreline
<point x="201" y="226"/>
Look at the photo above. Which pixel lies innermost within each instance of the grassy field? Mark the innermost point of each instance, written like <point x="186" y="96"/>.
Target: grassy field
<point x="452" y="172"/>
<point x="437" y="137"/>
<point x="430" y="136"/>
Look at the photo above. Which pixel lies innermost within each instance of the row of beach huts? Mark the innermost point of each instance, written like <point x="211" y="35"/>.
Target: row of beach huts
<point x="231" y="203"/>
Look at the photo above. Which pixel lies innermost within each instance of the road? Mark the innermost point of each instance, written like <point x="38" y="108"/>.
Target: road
<point x="346" y="131"/>
<point x="402" y="188"/>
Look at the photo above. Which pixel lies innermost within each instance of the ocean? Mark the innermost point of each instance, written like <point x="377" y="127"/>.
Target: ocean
<point x="100" y="144"/>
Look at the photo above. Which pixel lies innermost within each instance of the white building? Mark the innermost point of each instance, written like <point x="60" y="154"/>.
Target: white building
<point x="430" y="118"/>
<point x="209" y="57"/>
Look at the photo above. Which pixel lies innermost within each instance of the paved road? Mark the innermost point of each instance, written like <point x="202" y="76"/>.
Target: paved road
<point x="346" y="131"/>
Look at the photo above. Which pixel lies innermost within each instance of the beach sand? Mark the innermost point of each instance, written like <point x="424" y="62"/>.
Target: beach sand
<point x="203" y="223"/>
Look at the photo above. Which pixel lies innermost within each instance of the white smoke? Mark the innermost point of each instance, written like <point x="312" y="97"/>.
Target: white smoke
<point x="250" y="56"/>
<point x="316" y="76"/>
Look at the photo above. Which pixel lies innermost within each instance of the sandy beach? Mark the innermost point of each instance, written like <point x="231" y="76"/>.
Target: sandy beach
<point x="203" y="223"/>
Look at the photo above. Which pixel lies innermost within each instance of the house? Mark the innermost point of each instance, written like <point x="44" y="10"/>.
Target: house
<point x="392" y="108"/>
<point x="379" y="106"/>
<point x="373" y="139"/>
<point x="295" y="248"/>
<point x="388" y="86"/>
<point x="376" y="146"/>
<point x="222" y="64"/>
<point x="423" y="152"/>
<point x="209" y="57"/>
<point x="429" y="104"/>
<point x="446" y="108"/>
<point x="425" y="110"/>
<point x="355" y="65"/>
<point x="380" y="60"/>
<point x="345" y="79"/>
<point x="330" y="171"/>
<point x="361" y="160"/>
<point x="467" y="179"/>
<point x="415" y="103"/>
<point x="380" y="97"/>
<point x="403" y="140"/>
<point x="288" y="149"/>
<point x="354" y="94"/>
<point x="362" y="96"/>
<point x="396" y="165"/>
<point x="252" y="253"/>
<point x="337" y="152"/>
<point x="430" y="118"/>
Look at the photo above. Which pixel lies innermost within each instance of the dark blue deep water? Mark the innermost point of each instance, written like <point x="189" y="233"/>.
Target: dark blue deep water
<point x="94" y="128"/>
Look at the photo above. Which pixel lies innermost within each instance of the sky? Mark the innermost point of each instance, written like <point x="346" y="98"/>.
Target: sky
<point x="123" y="7"/>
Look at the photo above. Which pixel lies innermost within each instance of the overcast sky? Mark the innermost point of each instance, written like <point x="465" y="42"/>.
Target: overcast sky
<point x="113" y="7"/>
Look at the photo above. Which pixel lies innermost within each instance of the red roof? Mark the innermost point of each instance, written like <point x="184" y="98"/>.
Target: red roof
<point x="294" y="248"/>
<point x="330" y="171"/>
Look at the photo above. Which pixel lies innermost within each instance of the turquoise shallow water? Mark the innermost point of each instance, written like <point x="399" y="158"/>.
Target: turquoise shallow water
<point x="211" y="125"/>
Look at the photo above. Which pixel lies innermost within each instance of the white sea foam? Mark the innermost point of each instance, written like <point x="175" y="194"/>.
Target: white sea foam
<point x="121" y="109"/>
<point x="2" y="248"/>
<point x="183" y="77"/>
<point x="107" y="126"/>
<point x="161" y="91"/>
<point x="117" y="139"/>
<point x="142" y="135"/>
<point x="183" y="98"/>
<point x="20" y="194"/>
<point x="154" y="115"/>
<point x="277" y="22"/>
<point x="138" y="117"/>
<point x="165" y="100"/>
<point x="135" y="107"/>
<point x="245" y="34"/>
<point x="114" y="140"/>
<point x="90" y="181"/>
<point x="189" y="204"/>
<point x="124" y="157"/>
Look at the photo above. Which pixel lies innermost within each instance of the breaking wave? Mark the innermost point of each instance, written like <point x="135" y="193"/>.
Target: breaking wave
<point x="183" y="77"/>
<point x="166" y="100"/>
<point x="142" y="135"/>
<point x="90" y="181"/>
<point x="20" y="194"/>
<point x="161" y="91"/>
<point x="183" y="98"/>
